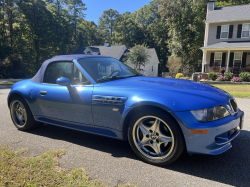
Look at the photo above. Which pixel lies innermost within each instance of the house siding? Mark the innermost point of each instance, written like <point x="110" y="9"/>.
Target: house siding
<point x="213" y="31"/>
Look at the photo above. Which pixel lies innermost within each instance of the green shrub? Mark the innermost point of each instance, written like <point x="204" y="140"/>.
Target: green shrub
<point x="178" y="75"/>
<point x="244" y="76"/>
<point x="212" y="76"/>
<point x="228" y="76"/>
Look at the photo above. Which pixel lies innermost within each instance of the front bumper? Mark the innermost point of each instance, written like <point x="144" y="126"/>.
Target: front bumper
<point x="217" y="140"/>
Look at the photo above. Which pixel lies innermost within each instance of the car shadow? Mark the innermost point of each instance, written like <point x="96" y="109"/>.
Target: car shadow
<point x="232" y="167"/>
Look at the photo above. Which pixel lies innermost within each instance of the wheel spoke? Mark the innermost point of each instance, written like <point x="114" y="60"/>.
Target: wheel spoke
<point x="156" y="148"/>
<point x="163" y="139"/>
<point x="156" y="126"/>
<point x="144" y="142"/>
<point x="144" y="129"/>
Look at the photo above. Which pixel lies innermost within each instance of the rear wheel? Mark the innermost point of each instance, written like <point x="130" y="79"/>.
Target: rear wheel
<point x="21" y="114"/>
<point x="156" y="137"/>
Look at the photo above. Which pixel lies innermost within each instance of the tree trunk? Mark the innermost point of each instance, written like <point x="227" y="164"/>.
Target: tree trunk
<point x="11" y="28"/>
<point x="182" y="64"/>
<point x="58" y="11"/>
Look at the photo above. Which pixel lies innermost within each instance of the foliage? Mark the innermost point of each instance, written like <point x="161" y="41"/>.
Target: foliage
<point x="108" y="22"/>
<point x="221" y="78"/>
<point x="40" y="29"/>
<point x="236" y="79"/>
<point x="185" y="20"/>
<point x="245" y="76"/>
<point x="174" y="64"/>
<point x="138" y="56"/>
<point x="11" y="66"/>
<point x="228" y="76"/>
<point x="212" y="76"/>
<point x="43" y="170"/>
<point x="178" y="75"/>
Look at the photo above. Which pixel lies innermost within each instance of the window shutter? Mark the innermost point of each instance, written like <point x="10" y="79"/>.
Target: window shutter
<point x="211" y="59"/>
<point x="231" y="29"/>
<point x="218" y="32"/>
<point x="231" y="60"/>
<point x="239" y="31"/>
<point x="223" y="60"/>
<point x="244" y="59"/>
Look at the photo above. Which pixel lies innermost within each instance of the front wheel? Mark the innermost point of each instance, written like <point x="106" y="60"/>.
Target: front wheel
<point x="156" y="137"/>
<point x="21" y="114"/>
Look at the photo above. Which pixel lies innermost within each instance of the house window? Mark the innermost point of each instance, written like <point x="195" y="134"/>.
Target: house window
<point x="152" y="68"/>
<point x="89" y="53"/>
<point x="224" y="31"/>
<point x="217" y="58"/>
<point x="245" y="30"/>
<point x="238" y="58"/>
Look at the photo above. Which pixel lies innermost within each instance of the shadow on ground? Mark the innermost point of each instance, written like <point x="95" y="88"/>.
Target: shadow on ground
<point x="232" y="167"/>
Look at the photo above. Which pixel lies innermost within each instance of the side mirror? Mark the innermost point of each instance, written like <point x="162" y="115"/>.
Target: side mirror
<point x="63" y="81"/>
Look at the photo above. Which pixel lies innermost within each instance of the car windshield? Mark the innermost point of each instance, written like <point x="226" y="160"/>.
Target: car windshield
<point x="106" y="69"/>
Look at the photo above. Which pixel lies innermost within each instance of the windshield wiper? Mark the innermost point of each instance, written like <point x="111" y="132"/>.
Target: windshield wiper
<point x="116" y="78"/>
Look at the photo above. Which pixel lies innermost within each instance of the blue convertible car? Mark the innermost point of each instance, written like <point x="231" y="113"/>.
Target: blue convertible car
<point x="159" y="117"/>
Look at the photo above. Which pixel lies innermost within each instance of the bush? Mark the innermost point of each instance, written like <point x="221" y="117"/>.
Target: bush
<point x="212" y="76"/>
<point x="221" y="78"/>
<point x="245" y="76"/>
<point x="178" y="75"/>
<point x="236" y="79"/>
<point x="228" y="76"/>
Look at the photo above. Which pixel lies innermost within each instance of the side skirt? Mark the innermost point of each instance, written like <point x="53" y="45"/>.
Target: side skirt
<point x="81" y="127"/>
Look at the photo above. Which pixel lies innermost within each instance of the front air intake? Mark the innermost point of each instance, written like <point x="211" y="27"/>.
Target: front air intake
<point x="233" y="105"/>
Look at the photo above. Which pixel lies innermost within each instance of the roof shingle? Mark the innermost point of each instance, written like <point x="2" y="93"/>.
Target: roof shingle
<point x="229" y="13"/>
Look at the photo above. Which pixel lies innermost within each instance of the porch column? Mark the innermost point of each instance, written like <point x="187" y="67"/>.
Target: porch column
<point x="203" y="60"/>
<point x="228" y="56"/>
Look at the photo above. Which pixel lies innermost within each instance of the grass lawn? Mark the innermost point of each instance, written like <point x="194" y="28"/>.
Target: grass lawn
<point x="16" y="169"/>
<point x="4" y="83"/>
<point x="241" y="91"/>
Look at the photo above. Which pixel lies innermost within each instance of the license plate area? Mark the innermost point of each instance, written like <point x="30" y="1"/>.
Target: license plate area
<point x="231" y="132"/>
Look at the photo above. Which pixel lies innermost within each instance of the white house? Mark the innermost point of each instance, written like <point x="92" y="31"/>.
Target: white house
<point x="118" y="51"/>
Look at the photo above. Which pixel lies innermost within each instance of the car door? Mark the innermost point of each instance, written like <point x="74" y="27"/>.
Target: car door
<point x="61" y="103"/>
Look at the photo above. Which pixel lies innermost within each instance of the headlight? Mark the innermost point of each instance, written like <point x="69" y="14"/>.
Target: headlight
<point x="210" y="114"/>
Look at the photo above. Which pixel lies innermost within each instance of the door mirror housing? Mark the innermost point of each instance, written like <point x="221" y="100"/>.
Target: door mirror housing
<point x="63" y="81"/>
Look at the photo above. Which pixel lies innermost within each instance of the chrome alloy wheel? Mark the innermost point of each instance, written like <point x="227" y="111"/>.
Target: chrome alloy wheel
<point x="153" y="137"/>
<point x="18" y="113"/>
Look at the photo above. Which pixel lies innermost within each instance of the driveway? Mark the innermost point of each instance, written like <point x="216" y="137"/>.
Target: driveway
<point x="113" y="162"/>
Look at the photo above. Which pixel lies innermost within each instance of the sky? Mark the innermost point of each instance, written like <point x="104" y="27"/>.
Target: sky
<point x="95" y="8"/>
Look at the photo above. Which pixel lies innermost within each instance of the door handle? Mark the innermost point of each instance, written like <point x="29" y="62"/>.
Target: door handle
<point x="43" y="92"/>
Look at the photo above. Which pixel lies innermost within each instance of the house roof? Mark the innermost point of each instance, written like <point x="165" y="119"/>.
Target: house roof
<point x="94" y="49"/>
<point x="229" y="13"/>
<point x="114" y="51"/>
<point x="229" y="44"/>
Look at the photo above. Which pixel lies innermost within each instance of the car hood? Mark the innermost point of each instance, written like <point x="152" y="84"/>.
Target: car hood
<point x="172" y="85"/>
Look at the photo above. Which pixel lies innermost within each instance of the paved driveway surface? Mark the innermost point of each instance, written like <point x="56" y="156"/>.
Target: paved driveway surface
<point x="113" y="161"/>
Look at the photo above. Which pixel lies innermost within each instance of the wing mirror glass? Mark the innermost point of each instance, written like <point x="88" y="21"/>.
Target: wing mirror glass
<point x="63" y="81"/>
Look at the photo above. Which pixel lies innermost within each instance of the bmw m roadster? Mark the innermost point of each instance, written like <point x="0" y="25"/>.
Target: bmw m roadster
<point x="160" y="117"/>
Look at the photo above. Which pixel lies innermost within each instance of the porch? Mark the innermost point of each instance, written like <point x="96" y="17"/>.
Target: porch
<point x="226" y="56"/>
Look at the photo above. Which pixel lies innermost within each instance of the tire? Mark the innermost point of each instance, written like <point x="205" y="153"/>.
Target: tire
<point x="21" y="115"/>
<point x="157" y="147"/>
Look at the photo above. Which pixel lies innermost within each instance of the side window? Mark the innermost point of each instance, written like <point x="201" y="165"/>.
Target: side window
<point x="56" y="70"/>
<point x="79" y="78"/>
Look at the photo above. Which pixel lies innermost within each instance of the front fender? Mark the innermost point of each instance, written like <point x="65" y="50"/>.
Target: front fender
<point x="27" y="90"/>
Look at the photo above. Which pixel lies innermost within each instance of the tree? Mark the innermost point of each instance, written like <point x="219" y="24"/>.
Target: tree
<point x="108" y="21"/>
<point x="174" y="64"/>
<point x="138" y="56"/>
<point x="76" y="8"/>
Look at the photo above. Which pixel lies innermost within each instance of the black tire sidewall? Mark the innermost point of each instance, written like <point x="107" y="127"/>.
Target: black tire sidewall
<point x="179" y="144"/>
